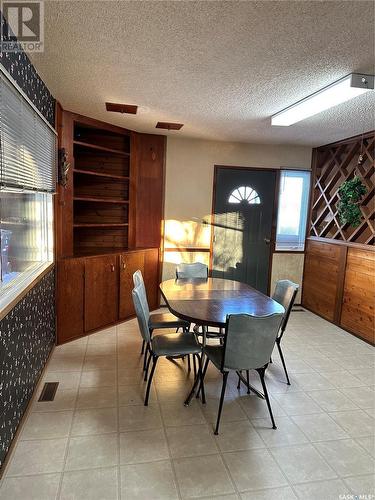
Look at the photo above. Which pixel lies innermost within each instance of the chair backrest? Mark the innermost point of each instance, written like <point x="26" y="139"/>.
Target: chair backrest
<point x="138" y="281"/>
<point x="285" y="294"/>
<point x="249" y="340"/>
<point x="195" y="270"/>
<point x="141" y="310"/>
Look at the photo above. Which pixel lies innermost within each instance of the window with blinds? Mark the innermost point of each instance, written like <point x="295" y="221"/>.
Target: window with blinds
<point x="28" y="144"/>
<point x="27" y="180"/>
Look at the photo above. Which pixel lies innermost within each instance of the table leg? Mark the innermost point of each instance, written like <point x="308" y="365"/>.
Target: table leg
<point x="250" y="387"/>
<point x="197" y="379"/>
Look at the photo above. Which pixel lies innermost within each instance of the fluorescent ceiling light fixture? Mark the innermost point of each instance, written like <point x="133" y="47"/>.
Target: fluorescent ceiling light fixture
<point x="343" y="90"/>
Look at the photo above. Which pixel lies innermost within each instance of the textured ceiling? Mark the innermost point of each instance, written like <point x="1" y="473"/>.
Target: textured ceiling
<point x="220" y="67"/>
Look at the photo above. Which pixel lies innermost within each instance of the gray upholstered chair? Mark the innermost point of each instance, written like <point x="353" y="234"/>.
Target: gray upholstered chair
<point x="285" y="294"/>
<point x="156" y="320"/>
<point x="169" y="344"/>
<point x="194" y="270"/>
<point x="248" y="344"/>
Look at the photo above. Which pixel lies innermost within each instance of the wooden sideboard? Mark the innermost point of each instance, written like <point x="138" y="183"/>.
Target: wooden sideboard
<point x="339" y="284"/>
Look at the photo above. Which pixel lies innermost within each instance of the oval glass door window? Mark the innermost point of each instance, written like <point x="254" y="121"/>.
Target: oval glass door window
<point x="244" y="194"/>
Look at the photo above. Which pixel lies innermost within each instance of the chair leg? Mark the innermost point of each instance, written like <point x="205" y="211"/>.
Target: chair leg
<point x="147" y="365"/>
<point x="195" y="367"/>
<point x="283" y="362"/>
<point x="145" y="358"/>
<point x="248" y="381"/>
<point x="225" y="377"/>
<point x="154" y="361"/>
<point x="239" y="381"/>
<point x="261" y="372"/>
<point x="189" y="366"/>
<point x="143" y="347"/>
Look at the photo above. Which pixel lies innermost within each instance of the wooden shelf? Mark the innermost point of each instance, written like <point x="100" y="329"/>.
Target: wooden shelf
<point x="101" y="225"/>
<point x="101" y="148"/>
<point x="101" y="200"/>
<point x="99" y="174"/>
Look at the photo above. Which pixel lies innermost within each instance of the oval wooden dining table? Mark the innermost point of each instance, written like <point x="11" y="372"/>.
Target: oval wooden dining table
<point x="208" y="301"/>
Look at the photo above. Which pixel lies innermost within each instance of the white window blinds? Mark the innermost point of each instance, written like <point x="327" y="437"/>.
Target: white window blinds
<point x="27" y="144"/>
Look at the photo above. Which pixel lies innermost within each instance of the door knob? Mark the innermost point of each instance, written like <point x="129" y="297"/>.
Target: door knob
<point x="267" y="241"/>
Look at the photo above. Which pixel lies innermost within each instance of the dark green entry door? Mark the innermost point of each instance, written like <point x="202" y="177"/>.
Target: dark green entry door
<point x="243" y="216"/>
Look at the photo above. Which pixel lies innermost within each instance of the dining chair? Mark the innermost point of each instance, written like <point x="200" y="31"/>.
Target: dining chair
<point x="197" y="270"/>
<point x="248" y="344"/>
<point x="193" y="270"/>
<point x="166" y="344"/>
<point x="156" y="320"/>
<point x="285" y="294"/>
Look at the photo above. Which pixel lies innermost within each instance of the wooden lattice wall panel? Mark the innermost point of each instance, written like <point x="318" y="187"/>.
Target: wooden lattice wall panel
<point x="333" y="165"/>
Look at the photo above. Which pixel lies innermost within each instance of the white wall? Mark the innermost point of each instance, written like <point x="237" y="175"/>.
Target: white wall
<point x="189" y="182"/>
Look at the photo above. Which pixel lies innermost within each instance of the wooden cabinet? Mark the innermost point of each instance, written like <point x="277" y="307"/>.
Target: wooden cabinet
<point x="129" y="263"/>
<point x="101" y="291"/>
<point x="95" y="292"/>
<point x="70" y="299"/>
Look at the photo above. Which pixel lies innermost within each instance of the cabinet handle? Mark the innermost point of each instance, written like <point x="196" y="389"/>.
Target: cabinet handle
<point x="124" y="265"/>
<point x="112" y="268"/>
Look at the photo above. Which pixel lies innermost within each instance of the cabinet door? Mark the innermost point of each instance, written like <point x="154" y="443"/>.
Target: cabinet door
<point x="101" y="291"/>
<point x="70" y="299"/>
<point x="151" y="277"/>
<point x="129" y="263"/>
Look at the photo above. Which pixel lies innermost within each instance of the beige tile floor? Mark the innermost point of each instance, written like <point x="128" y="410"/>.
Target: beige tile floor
<point x="96" y="440"/>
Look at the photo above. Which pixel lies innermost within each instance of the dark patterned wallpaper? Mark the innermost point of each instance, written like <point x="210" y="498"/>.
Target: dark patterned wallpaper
<point x="23" y="72"/>
<point x="27" y="335"/>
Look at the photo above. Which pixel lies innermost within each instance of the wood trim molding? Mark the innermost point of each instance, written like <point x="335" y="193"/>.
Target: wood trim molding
<point x="368" y="248"/>
<point x="187" y="249"/>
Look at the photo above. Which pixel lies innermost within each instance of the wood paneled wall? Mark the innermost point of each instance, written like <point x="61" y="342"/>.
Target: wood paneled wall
<point x="323" y="278"/>
<point x="339" y="273"/>
<point x="358" y="305"/>
<point x="339" y="284"/>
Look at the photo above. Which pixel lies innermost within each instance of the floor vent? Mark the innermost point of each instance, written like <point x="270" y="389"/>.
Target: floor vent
<point x="49" y="391"/>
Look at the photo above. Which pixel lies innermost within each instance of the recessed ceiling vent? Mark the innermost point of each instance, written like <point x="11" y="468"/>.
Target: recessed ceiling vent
<point x="169" y="126"/>
<point x="121" y="108"/>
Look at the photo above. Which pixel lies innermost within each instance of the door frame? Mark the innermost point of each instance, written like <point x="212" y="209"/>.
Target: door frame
<point x="274" y="212"/>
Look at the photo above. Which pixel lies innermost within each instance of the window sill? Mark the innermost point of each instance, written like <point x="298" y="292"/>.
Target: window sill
<point x="20" y="290"/>
<point x="289" y="250"/>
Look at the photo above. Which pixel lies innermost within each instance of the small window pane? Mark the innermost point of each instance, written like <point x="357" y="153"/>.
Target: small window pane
<point x="244" y="194"/>
<point x="292" y="210"/>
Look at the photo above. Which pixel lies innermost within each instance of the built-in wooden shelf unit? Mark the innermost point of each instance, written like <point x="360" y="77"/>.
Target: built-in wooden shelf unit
<point x="108" y="222"/>
<point x="100" y="187"/>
